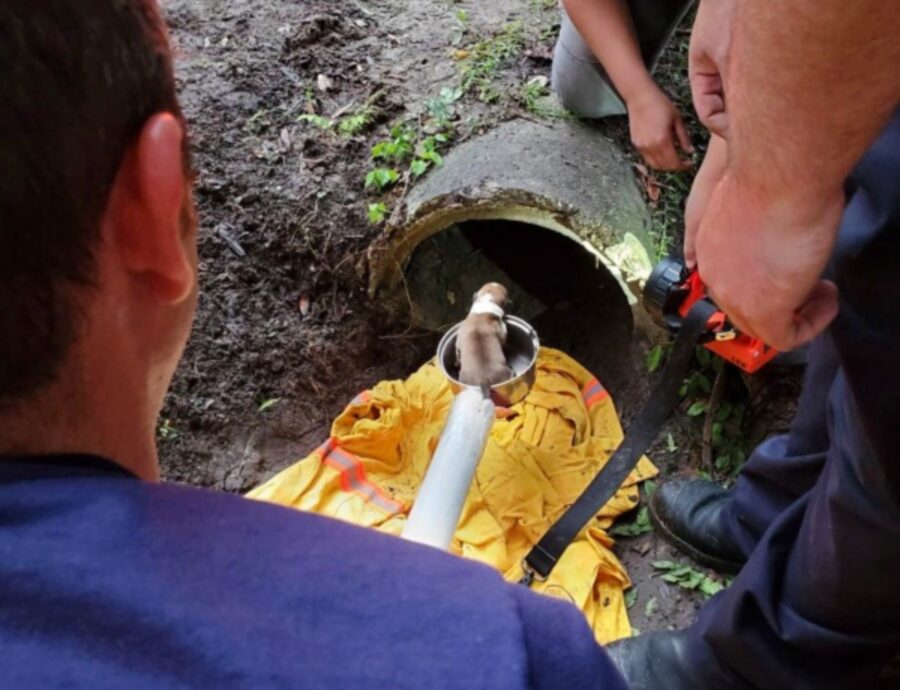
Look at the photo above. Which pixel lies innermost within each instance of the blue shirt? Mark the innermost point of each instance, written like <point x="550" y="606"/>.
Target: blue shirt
<point x="110" y="582"/>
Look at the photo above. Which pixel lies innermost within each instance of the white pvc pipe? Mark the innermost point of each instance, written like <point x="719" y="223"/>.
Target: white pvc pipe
<point x="435" y="514"/>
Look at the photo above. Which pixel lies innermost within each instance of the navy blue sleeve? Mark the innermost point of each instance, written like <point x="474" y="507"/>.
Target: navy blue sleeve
<point x="561" y="649"/>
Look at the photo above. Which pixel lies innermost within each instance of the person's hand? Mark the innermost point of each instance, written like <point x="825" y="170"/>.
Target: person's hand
<point x="711" y="171"/>
<point x="763" y="265"/>
<point x="709" y="52"/>
<point x="657" y="130"/>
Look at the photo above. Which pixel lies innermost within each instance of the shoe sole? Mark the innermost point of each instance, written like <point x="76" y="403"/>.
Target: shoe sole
<point x="720" y="565"/>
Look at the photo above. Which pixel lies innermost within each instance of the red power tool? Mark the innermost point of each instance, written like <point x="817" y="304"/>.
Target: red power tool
<point x="670" y="293"/>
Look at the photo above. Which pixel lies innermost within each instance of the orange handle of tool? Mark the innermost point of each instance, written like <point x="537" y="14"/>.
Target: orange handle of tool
<point x="750" y="354"/>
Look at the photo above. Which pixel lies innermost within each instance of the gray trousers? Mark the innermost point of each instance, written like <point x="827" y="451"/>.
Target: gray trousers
<point x="579" y="79"/>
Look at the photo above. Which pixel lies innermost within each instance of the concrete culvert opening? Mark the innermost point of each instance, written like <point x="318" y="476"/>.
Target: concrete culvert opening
<point x="556" y="283"/>
<point x="551" y="210"/>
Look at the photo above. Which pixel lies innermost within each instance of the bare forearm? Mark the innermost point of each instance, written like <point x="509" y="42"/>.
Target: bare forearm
<point x="809" y="86"/>
<point x="608" y="30"/>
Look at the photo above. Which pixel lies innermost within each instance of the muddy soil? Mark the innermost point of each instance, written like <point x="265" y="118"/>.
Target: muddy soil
<point x="283" y="314"/>
<point x="286" y="334"/>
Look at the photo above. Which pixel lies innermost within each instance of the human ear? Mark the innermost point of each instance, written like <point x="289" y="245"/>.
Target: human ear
<point x="145" y="211"/>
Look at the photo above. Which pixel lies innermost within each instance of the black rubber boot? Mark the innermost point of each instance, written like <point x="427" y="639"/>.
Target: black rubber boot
<point x="660" y="661"/>
<point x="687" y="513"/>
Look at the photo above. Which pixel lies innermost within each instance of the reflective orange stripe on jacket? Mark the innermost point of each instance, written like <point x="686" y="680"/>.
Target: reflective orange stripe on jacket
<point x="353" y="477"/>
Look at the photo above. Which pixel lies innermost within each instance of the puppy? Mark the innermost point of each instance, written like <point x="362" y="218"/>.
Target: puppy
<point x="479" y="345"/>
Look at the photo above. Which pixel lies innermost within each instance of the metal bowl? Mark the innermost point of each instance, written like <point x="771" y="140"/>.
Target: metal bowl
<point x="521" y="350"/>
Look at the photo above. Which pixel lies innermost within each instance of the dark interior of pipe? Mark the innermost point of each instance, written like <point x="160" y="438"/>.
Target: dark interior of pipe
<point x="572" y="300"/>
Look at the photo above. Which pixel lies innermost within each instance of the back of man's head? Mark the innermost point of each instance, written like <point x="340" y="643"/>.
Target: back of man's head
<point x="81" y="77"/>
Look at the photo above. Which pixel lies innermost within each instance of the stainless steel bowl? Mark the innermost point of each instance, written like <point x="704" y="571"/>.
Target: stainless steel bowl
<point x="521" y="350"/>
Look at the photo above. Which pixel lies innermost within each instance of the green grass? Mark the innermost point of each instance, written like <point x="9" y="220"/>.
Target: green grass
<point x="479" y="70"/>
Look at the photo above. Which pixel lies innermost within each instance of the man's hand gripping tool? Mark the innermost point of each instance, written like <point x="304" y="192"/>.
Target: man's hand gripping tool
<point x="670" y="293"/>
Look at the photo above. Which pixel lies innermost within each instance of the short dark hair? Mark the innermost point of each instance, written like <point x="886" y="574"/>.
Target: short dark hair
<point x="80" y="79"/>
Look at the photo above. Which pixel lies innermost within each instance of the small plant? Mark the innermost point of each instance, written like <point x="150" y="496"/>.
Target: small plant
<point x="631" y="598"/>
<point x="462" y="26"/>
<point x="349" y="125"/>
<point x="542" y="5"/>
<point x="655" y="357"/>
<point x="667" y="212"/>
<point x="317" y="121"/>
<point x="268" y="404"/>
<point x="671" y="446"/>
<point x="729" y="445"/>
<point x="641" y="525"/>
<point x="699" y="383"/>
<point x="532" y="90"/>
<point x="534" y="96"/>
<point x="382" y="178"/>
<point x="687" y="578"/>
<point x="259" y="122"/>
<point x="357" y="122"/>
<point x="486" y="57"/>
<point x="442" y="109"/>
<point x="697" y="408"/>
<point x="427" y="149"/>
<point x="378" y="213"/>
<point x="724" y="438"/>
<point x="166" y="432"/>
<point x="403" y="144"/>
<point x="398" y="148"/>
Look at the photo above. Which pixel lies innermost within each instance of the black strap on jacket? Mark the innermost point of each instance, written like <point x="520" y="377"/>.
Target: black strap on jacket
<point x="543" y="557"/>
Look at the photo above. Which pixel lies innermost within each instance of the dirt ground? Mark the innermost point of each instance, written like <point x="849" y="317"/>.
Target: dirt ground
<point x="283" y="313"/>
<point x="286" y="334"/>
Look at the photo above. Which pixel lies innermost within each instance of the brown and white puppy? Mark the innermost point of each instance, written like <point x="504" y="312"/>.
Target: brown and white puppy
<point x="482" y="336"/>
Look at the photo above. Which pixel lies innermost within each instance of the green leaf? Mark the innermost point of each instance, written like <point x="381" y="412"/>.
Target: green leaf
<point x="418" y="167"/>
<point x="710" y="587"/>
<point x="377" y="213"/>
<point x="269" y="404"/>
<point x="692" y="579"/>
<point x="670" y="443"/>
<point x="641" y="525"/>
<point x="654" y="358"/>
<point x="450" y="94"/>
<point x="630" y="598"/>
<point x="650" y="607"/>
<point x="649" y="488"/>
<point x="688" y="578"/>
<point x="353" y="124"/>
<point x="317" y="120"/>
<point x="697" y="409"/>
<point x="381" y="178"/>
